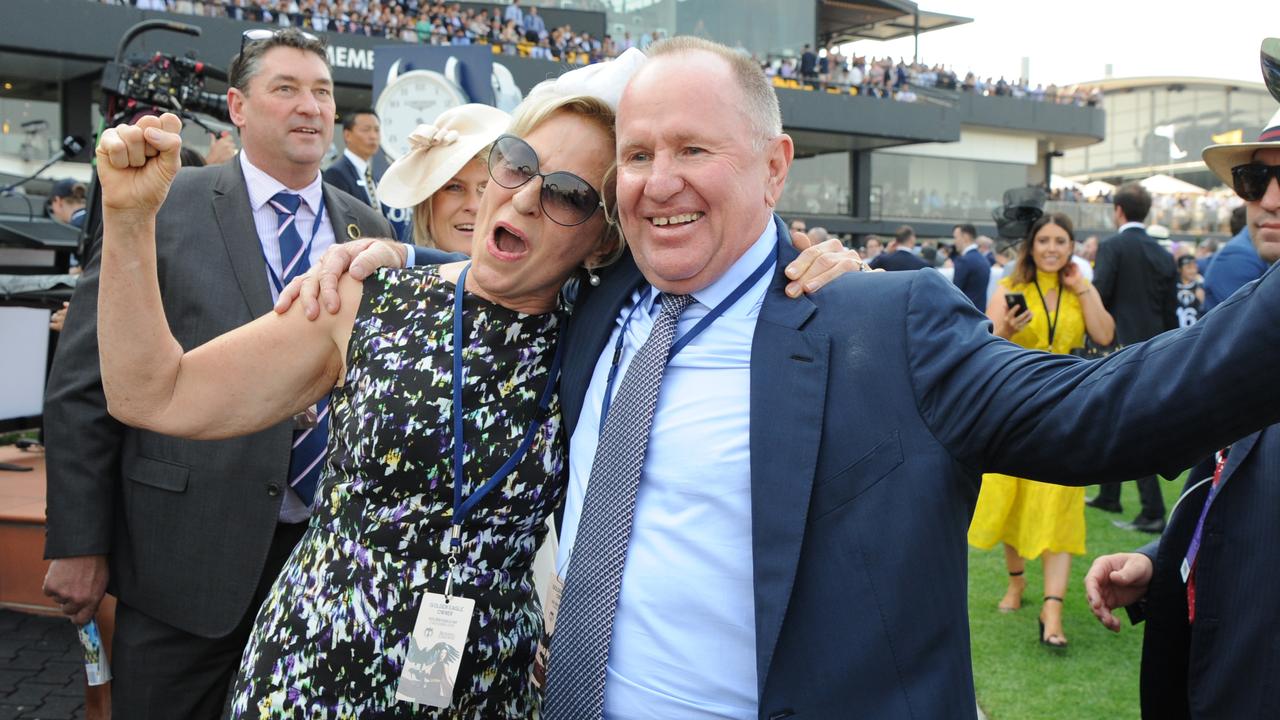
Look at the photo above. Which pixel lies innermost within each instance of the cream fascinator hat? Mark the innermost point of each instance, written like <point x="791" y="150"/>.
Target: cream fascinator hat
<point x="437" y="152"/>
<point x="604" y="80"/>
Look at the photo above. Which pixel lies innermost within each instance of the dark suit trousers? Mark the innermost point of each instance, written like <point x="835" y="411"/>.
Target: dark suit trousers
<point x="1148" y="493"/>
<point x="162" y="672"/>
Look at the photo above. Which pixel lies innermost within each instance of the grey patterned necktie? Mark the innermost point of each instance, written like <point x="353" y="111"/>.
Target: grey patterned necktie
<point x="584" y="623"/>
<point x="370" y="185"/>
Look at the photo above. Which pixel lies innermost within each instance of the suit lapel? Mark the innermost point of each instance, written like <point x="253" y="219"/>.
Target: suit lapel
<point x="789" y="369"/>
<point x="591" y="324"/>
<point x="346" y="225"/>
<point x="1239" y="451"/>
<point x="235" y="224"/>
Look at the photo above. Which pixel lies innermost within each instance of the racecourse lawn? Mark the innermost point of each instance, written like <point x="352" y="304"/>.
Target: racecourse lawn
<point x="1016" y="677"/>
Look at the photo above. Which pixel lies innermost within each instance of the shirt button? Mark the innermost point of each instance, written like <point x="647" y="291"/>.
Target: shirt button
<point x="273" y="489"/>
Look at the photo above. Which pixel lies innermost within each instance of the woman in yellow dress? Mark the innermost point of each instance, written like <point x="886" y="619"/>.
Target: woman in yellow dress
<point x="1035" y="519"/>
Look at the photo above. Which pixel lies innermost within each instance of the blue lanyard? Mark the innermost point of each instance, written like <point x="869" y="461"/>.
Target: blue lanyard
<point x="315" y="229"/>
<point x="685" y="339"/>
<point x="462" y="508"/>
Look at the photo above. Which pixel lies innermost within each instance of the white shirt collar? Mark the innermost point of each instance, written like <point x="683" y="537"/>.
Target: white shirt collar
<point x="712" y="295"/>
<point x="262" y="187"/>
<point x="359" y="162"/>
<point x="1128" y="225"/>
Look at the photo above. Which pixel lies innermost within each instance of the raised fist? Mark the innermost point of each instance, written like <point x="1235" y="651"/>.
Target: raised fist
<point x="137" y="163"/>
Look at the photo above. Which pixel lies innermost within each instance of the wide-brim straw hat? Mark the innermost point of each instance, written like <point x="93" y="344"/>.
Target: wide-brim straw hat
<point x="1221" y="158"/>
<point x="439" y="151"/>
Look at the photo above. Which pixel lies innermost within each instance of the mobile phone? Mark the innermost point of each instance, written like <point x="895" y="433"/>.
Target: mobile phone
<point x="1017" y="302"/>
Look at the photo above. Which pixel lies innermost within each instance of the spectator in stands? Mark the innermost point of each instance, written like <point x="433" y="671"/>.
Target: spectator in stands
<point x="818" y="235"/>
<point x="534" y="26"/>
<point x="972" y="270"/>
<point x="1136" y="278"/>
<point x="67" y="202"/>
<point x="856" y="74"/>
<point x="798" y="225"/>
<point x="808" y="65"/>
<point x="1034" y="519"/>
<point x="514" y="14"/>
<point x="901" y="258"/>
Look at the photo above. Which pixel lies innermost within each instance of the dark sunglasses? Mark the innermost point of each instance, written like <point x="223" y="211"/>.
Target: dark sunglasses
<point x="565" y="198"/>
<point x="1251" y="181"/>
<point x="259" y="34"/>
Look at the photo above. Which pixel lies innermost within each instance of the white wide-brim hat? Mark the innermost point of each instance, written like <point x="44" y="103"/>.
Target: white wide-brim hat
<point x="1221" y="158"/>
<point x="439" y="151"/>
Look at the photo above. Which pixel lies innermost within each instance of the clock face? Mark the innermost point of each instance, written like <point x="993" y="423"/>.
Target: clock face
<point x="412" y="99"/>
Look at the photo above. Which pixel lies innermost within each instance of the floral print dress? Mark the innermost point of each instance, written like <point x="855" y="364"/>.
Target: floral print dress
<point x="331" y="638"/>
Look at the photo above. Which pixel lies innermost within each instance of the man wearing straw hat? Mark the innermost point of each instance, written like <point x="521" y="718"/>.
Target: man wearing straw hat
<point x="1207" y="588"/>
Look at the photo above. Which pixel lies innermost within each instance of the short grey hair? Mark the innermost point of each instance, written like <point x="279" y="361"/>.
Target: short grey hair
<point x="761" y="102"/>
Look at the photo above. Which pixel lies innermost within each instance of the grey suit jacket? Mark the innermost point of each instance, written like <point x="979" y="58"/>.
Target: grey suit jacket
<point x="186" y="524"/>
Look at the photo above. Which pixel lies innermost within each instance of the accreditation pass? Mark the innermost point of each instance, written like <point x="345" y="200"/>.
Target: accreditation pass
<point x="435" y="650"/>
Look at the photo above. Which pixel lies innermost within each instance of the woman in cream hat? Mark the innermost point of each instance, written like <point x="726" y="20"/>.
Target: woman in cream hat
<point x="443" y="175"/>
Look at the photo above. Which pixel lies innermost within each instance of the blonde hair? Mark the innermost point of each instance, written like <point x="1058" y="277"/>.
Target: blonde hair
<point x="540" y="107"/>
<point x="761" y="102"/>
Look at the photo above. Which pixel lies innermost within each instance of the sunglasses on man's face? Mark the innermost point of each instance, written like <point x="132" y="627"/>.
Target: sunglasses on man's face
<point x="259" y="34"/>
<point x="1252" y="180"/>
<point x="565" y="198"/>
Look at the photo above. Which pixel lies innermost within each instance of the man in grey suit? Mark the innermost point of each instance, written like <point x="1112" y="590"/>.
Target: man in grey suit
<point x="190" y="535"/>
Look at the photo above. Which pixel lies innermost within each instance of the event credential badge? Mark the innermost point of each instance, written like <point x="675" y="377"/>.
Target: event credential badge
<point x="435" y="650"/>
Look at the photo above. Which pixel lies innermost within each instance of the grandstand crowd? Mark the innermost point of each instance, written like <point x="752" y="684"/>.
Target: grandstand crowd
<point x="512" y="30"/>
<point x="518" y="29"/>
<point x="882" y="77"/>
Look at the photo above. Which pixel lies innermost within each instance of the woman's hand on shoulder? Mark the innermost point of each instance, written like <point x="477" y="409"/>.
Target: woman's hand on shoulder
<point x="319" y="285"/>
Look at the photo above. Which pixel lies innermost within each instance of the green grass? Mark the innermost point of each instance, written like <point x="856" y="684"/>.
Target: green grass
<point x="1097" y="676"/>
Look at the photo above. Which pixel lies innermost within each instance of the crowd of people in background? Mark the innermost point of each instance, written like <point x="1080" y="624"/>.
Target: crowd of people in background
<point x="882" y="77"/>
<point x="517" y="29"/>
<point x="520" y="30"/>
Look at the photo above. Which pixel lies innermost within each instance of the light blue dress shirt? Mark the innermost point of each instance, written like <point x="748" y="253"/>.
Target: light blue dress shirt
<point x="684" y="643"/>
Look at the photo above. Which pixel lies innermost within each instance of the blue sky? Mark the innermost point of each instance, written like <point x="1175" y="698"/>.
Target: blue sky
<point x="1071" y="41"/>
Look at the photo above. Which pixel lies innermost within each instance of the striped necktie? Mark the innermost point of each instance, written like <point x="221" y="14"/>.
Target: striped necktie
<point x="370" y="185"/>
<point x="584" y="623"/>
<point x="308" y="443"/>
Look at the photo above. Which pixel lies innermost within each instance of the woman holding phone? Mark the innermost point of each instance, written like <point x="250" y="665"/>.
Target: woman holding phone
<point x="1045" y="304"/>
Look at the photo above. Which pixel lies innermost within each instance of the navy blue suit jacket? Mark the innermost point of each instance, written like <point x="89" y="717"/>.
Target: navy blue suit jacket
<point x="342" y="175"/>
<point x="875" y="405"/>
<point x="972" y="272"/>
<point x="1226" y="664"/>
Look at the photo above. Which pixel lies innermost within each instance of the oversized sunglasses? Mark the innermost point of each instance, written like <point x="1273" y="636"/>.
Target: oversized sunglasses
<point x="1251" y="180"/>
<point x="258" y="34"/>
<point x="565" y="198"/>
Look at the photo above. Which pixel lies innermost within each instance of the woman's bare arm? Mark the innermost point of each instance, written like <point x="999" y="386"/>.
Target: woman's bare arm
<point x="243" y="381"/>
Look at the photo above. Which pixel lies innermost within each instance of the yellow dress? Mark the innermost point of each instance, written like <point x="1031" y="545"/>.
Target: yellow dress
<point x="1030" y="516"/>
